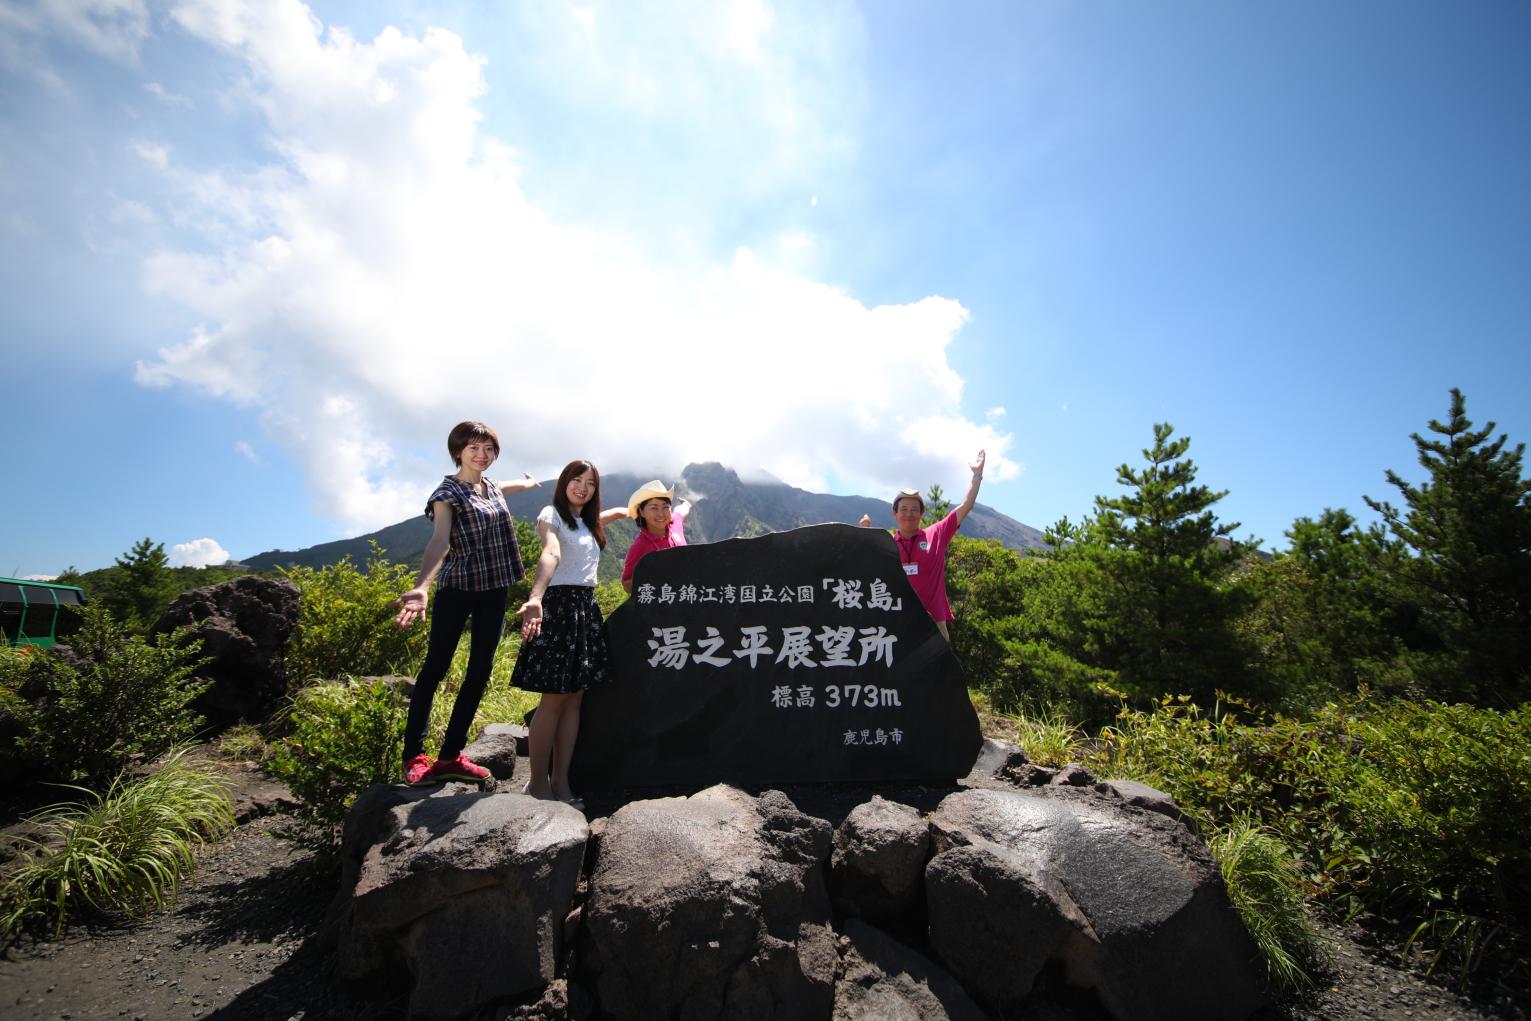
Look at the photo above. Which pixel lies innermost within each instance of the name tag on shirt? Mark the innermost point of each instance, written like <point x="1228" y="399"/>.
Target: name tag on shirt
<point x="911" y="568"/>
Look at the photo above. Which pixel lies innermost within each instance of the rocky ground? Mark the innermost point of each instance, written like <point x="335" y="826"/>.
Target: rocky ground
<point x="242" y="943"/>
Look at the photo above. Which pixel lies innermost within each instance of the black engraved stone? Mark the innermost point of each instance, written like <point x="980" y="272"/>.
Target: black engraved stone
<point x="884" y="701"/>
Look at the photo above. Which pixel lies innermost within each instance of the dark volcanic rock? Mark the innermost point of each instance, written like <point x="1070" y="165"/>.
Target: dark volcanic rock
<point x="1130" y="904"/>
<point x="879" y="859"/>
<point x="882" y="979"/>
<point x="458" y="895"/>
<point x="711" y="906"/>
<point x="244" y="625"/>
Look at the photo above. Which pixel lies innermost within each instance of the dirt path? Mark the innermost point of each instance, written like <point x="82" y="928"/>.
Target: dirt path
<point x="242" y="943"/>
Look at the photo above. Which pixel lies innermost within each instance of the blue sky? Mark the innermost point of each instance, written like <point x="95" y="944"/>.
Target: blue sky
<point x="258" y="257"/>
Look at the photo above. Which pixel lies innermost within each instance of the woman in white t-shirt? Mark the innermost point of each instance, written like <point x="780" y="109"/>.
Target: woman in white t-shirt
<point x="563" y="648"/>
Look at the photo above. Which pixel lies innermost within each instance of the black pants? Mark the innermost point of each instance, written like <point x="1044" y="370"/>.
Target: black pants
<point x="453" y="609"/>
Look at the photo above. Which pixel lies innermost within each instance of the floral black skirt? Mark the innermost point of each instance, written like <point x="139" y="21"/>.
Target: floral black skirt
<point x="569" y="654"/>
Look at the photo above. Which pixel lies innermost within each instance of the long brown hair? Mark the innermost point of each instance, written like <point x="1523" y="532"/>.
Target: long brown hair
<point x="590" y="514"/>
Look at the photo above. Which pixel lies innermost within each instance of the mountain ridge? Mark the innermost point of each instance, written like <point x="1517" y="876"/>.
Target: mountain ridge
<point x="724" y="507"/>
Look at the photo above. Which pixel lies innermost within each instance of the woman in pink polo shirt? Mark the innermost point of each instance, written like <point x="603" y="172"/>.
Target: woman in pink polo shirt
<point x="923" y="550"/>
<point x="659" y="525"/>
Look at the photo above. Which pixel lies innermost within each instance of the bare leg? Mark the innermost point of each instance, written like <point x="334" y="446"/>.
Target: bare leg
<point x="941" y="627"/>
<point x="539" y="746"/>
<point x="563" y="744"/>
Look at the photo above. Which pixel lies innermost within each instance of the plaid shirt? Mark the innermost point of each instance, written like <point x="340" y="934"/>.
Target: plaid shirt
<point x="484" y="553"/>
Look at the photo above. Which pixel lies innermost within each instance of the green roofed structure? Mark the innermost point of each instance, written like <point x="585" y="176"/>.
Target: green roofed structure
<point x="38" y="612"/>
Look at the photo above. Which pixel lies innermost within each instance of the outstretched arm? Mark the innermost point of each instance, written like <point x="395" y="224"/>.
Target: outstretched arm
<point x="412" y="603"/>
<point x="530" y="611"/>
<point x="520" y="485"/>
<point x="967" y="502"/>
<point x="613" y="515"/>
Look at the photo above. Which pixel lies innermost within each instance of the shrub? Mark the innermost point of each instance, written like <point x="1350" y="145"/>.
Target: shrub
<point x="110" y="697"/>
<point x="1265" y="885"/>
<point x="345" y="625"/>
<point x="1413" y="811"/>
<point x="344" y="737"/>
<point x="1440" y="798"/>
<point x="127" y="850"/>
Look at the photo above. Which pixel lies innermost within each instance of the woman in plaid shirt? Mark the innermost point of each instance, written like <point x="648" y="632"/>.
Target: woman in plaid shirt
<point x="474" y="550"/>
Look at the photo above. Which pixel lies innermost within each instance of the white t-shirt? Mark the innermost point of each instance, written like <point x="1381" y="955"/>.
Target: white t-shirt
<point x="578" y="554"/>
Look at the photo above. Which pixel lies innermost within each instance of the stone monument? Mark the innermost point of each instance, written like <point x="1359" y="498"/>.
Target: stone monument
<point x="795" y="657"/>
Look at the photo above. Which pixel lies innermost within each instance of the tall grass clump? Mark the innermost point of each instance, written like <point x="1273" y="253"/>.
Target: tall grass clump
<point x="342" y="738"/>
<point x="1046" y="735"/>
<point x="1266" y="888"/>
<point x="126" y="850"/>
<point x="243" y="741"/>
<point x="111" y="697"/>
<point x="345" y="625"/>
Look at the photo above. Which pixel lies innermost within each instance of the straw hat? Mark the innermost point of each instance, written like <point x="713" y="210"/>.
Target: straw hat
<point x="647" y="491"/>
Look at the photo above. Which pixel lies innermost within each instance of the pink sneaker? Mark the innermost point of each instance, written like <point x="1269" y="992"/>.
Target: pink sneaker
<point x="460" y="768"/>
<point x="415" y="769"/>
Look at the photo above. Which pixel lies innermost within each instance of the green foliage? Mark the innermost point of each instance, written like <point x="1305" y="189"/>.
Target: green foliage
<point x="1441" y="796"/>
<point x="1168" y="622"/>
<point x="111" y="697"/>
<point x="1048" y="737"/>
<point x="1004" y="634"/>
<point x="1409" y="810"/>
<point x="1266" y="888"/>
<point x="1322" y="622"/>
<point x="142" y="587"/>
<point x="937" y="506"/>
<point x="109" y="586"/>
<point x="1469" y="528"/>
<point x="346" y="625"/>
<point x="343" y="738"/>
<point x="127" y="850"/>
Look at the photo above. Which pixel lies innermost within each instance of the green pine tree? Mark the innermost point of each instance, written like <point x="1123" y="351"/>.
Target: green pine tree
<point x="1469" y="528"/>
<point x="1172" y="606"/>
<point x="937" y="506"/>
<point x="142" y="585"/>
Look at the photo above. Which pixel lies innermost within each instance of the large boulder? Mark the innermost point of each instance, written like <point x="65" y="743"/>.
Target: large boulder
<point x="881" y="978"/>
<point x="458" y="895"/>
<point x="879" y="859"/>
<point x="711" y="906"/>
<point x="244" y="625"/>
<point x="1127" y="900"/>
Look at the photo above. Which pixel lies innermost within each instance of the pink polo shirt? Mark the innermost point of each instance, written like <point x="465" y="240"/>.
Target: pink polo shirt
<point x="924" y="559"/>
<point x="647" y="542"/>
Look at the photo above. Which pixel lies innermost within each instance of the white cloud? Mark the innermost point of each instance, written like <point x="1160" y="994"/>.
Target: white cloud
<point x="994" y="414"/>
<point x="38" y="577"/>
<point x="247" y="451"/>
<point x="198" y="553"/>
<point x="391" y="276"/>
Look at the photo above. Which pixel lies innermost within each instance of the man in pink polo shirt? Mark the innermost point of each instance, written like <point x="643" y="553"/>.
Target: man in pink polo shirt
<point x="923" y="550"/>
